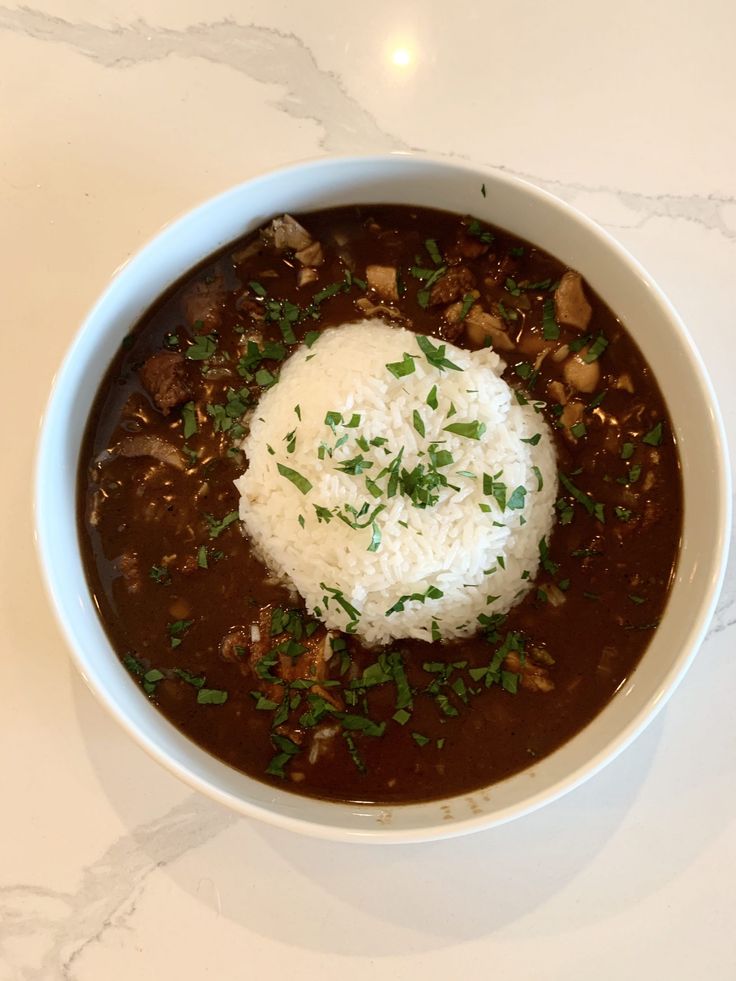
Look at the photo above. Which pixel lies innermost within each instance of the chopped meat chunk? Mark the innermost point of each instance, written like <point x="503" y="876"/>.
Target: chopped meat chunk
<point x="457" y="281"/>
<point x="252" y="308"/>
<point x="534" y="345"/>
<point x="533" y="677"/>
<point x="470" y="246"/>
<point x="165" y="377"/>
<point x="202" y="302"/>
<point x="571" y="414"/>
<point x="246" y="253"/>
<point x="235" y="645"/>
<point x="505" y="266"/>
<point x="481" y="326"/>
<point x="310" y="666"/>
<point x="571" y="306"/>
<point x="285" y="233"/>
<point x="306" y="275"/>
<point x="558" y="392"/>
<point x="311" y="255"/>
<point x="383" y="280"/>
<point x="581" y="375"/>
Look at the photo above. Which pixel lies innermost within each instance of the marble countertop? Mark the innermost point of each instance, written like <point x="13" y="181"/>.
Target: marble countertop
<point x="114" y="119"/>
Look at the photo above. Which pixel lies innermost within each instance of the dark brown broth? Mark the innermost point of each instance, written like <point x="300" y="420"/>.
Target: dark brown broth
<point x="147" y="514"/>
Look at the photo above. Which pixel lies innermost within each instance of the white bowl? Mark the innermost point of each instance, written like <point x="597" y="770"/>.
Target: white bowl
<point x="528" y="212"/>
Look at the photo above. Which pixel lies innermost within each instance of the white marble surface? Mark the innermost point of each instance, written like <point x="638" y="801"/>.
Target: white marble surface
<point x="113" y="119"/>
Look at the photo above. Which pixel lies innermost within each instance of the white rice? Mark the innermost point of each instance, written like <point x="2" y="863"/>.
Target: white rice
<point x="464" y="556"/>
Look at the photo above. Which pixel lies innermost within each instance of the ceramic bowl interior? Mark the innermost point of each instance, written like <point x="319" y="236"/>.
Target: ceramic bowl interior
<point x="527" y="212"/>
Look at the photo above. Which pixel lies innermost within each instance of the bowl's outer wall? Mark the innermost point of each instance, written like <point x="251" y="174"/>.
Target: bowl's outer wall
<point x="525" y="211"/>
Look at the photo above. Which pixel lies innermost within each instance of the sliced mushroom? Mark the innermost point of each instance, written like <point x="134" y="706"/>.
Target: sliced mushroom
<point x="571" y="306"/>
<point x="581" y="375"/>
<point x="383" y="280"/>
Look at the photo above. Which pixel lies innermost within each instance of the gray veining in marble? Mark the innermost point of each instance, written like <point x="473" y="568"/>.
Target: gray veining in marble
<point x="58" y="926"/>
<point x="282" y="59"/>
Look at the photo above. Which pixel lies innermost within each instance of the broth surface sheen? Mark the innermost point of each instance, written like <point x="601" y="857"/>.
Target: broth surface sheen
<point x="229" y="655"/>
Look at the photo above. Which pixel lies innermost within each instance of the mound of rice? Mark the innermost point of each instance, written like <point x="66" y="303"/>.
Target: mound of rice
<point x="400" y="488"/>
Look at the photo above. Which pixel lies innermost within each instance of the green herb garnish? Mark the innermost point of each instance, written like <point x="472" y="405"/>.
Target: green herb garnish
<point x="654" y="436"/>
<point x="301" y="483"/>
<point x="435" y="355"/>
<point x="401" y="368"/>
<point x="216" y="526"/>
<point x="202" y="348"/>
<point x="470" y="430"/>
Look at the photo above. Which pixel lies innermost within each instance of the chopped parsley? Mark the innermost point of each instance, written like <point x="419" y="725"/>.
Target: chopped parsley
<point x="202" y="348"/>
<point x="492" y="487"/>
<point x="470" y="430"/>
<point x="475" y="229"/>
<point x="400" y="605"/>
<point x="435" y="355"/>
<point x="189" y="419"/>
<point x="654" y="436"/>
<point x="216" y="526"/>
<point x="592" y="507"/>
<point x="301" y="483"/>
<point x="401" y="368"/>
<point x="596" y="349"/>
<point x="434" y="253"/>
<point x="354" y="467"/>
<point x="468" y="301"/>
<point x="177" y="629"/>
<point x="211" y="696"/>
<point x="517" y="500"/>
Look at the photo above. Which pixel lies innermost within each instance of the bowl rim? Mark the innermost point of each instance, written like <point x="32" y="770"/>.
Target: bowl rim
<point x="43" y="527"/>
